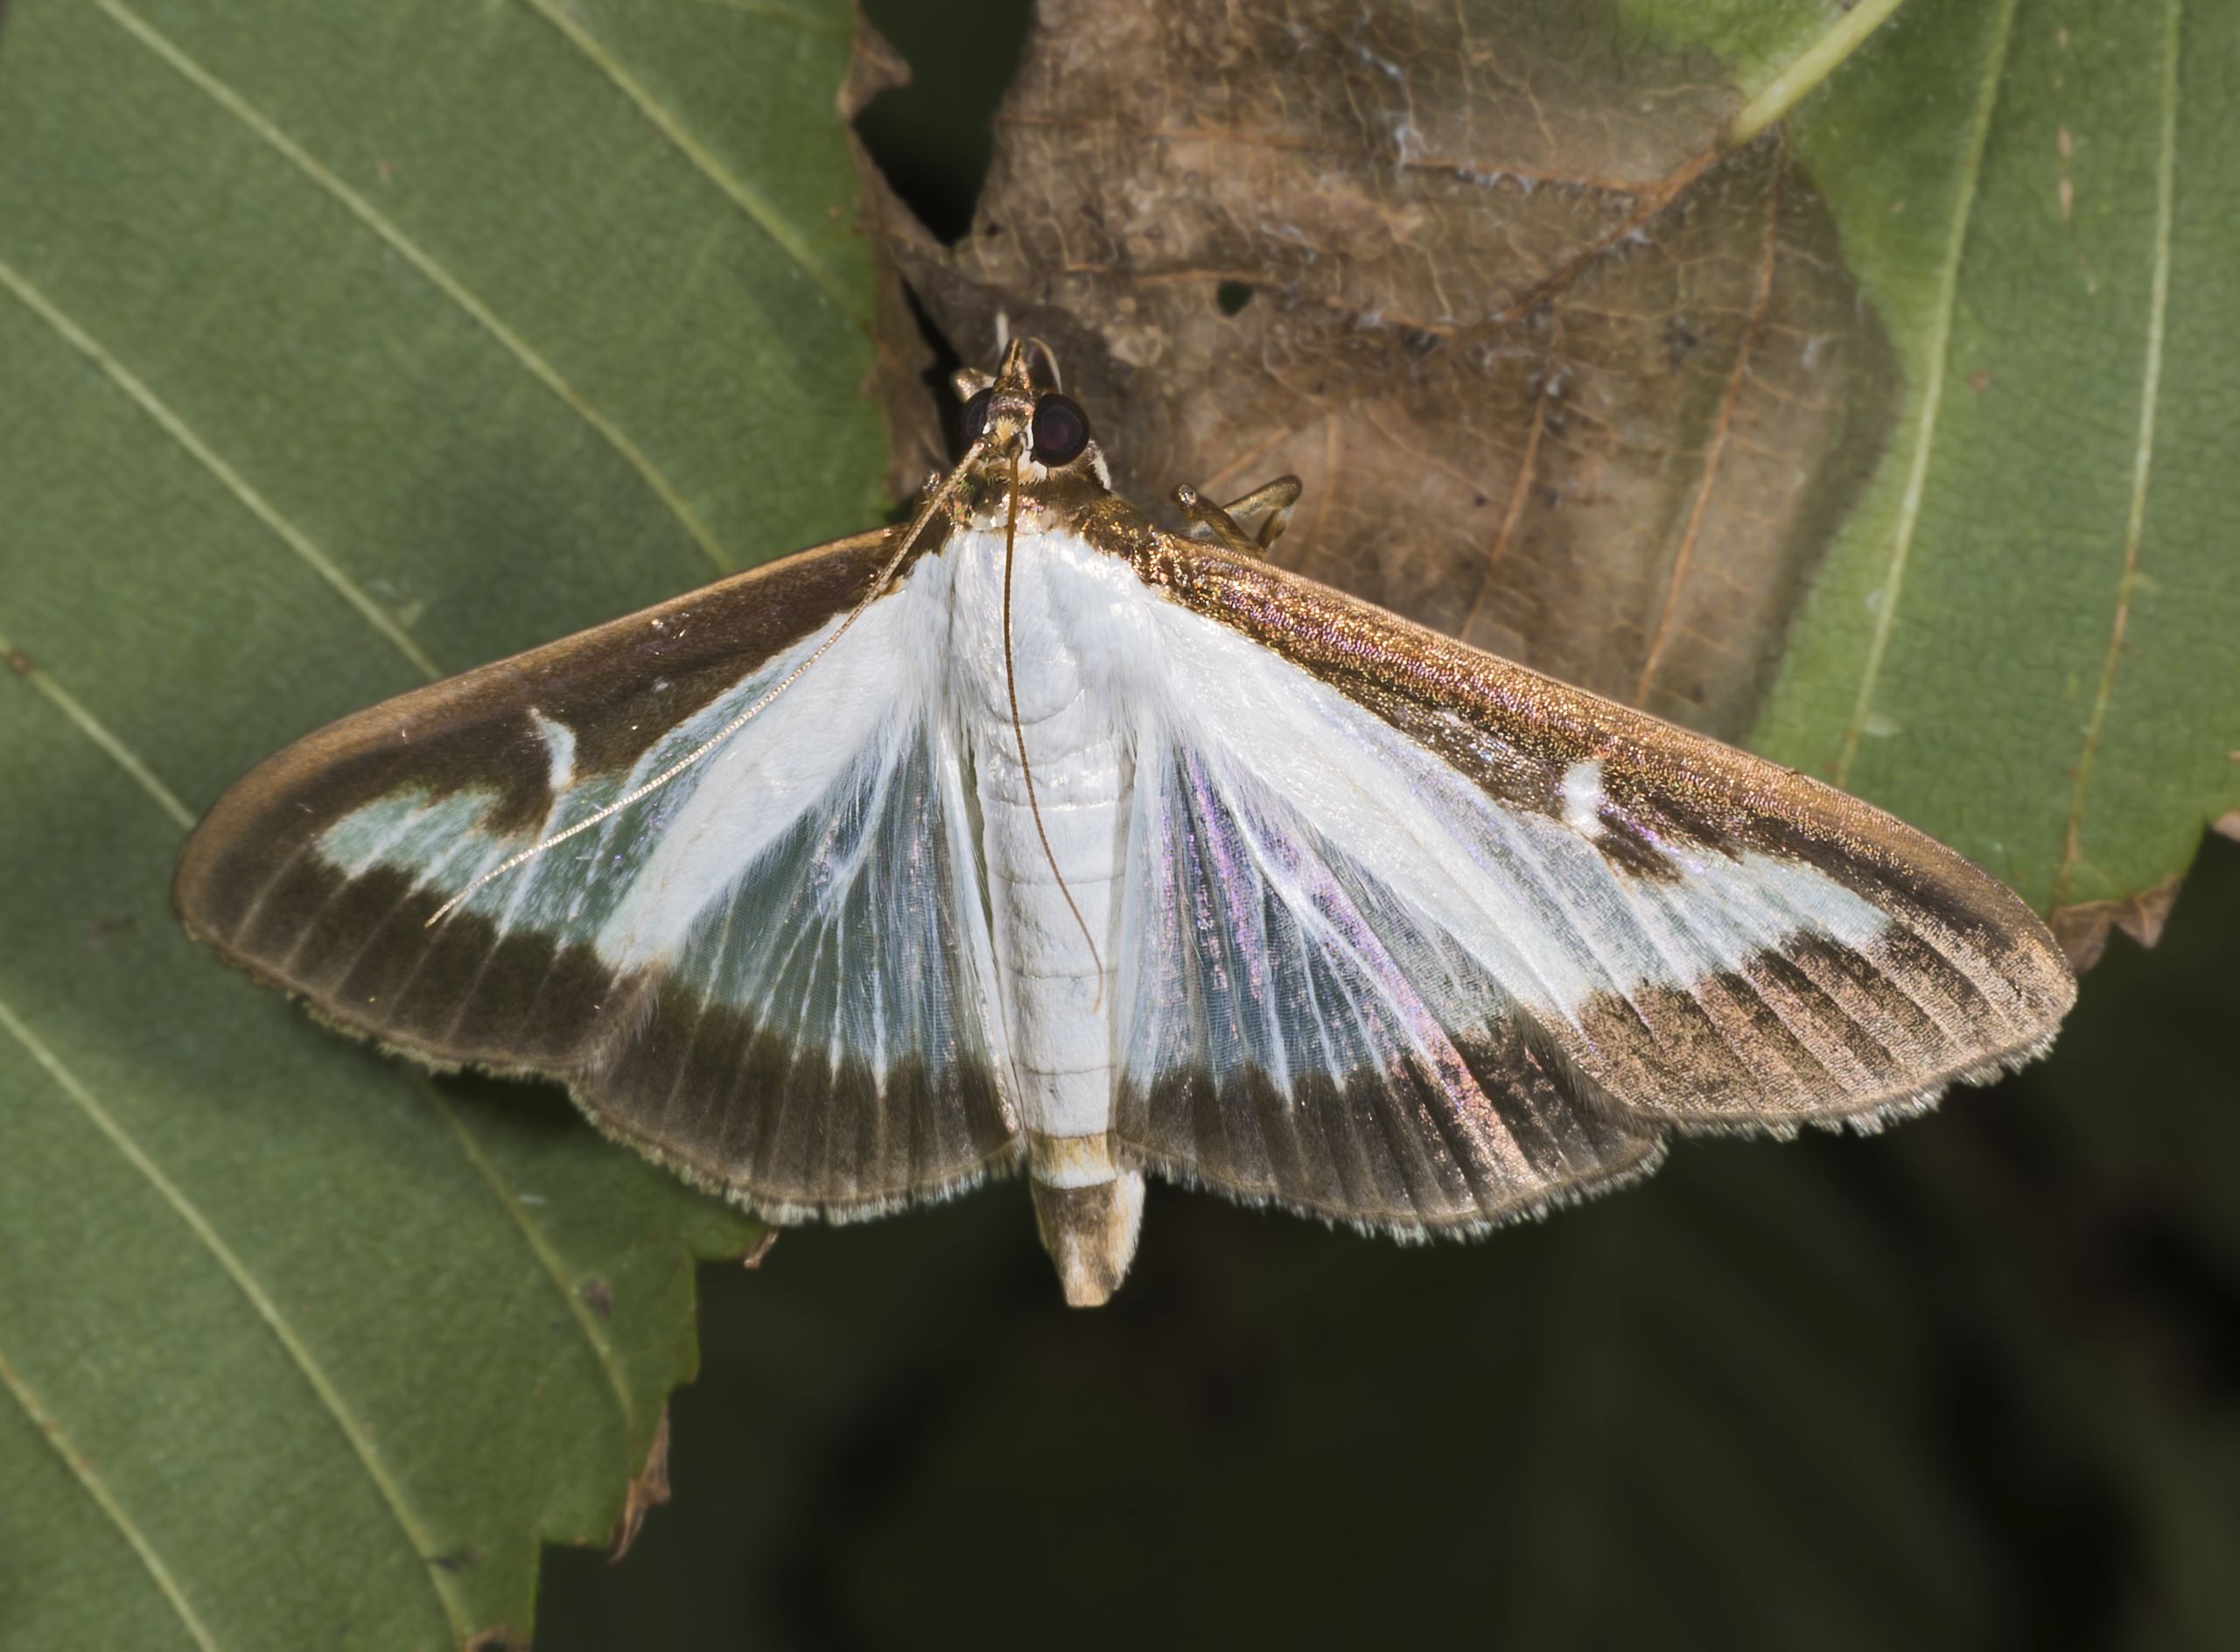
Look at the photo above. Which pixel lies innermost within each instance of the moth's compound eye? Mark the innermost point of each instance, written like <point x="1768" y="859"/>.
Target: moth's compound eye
<point x="974" y="419"/>
<point x="1060" y="430"/>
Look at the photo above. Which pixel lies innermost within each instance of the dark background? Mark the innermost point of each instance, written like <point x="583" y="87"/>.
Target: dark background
<point x="1972" y="1382"/>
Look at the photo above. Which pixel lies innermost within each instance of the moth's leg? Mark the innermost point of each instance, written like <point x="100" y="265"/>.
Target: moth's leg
<point x="1210" y="522"/>
<point x="1219" y="521"/>
<point x="1276" y="498"/>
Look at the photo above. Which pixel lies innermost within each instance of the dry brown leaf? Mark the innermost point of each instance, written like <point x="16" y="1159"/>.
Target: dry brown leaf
<point x="649" y="1489"/>
<point x="1561" y="377"/>
<point x="753" y="1260"/>
<point x="2084" y="929"/>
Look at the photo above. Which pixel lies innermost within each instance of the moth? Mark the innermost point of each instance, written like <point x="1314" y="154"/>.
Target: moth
<point x="1027" y="833"/>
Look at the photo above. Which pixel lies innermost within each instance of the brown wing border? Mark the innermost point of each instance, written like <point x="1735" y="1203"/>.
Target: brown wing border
<point x="1516" y="733"/>
<point x="470" y="729"/>
<point x="736" y="1107"/>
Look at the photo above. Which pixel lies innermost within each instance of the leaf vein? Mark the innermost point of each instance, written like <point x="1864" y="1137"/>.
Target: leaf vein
<point x="168" y="420"/>
<point x="601" y="1348"/>
<point x="1520" y="492"/>
<point x="99" y="732"/>
<point x="353" y="1430"/>
<point x="1940" y="345"/>
<point x="81" y="1469"/>
<point x="1461" y="166"/>
<point x="431" y="269"/>
<point x="1723" y="434"/>
<point x="1799" y="77"/>
<point x="741" y="194"/>
<point x="1547" y="290"/>
<point x="2142" y="457"/>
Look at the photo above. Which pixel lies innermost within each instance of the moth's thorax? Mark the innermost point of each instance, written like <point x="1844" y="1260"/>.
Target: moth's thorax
<point x="1068" y="621"/>
<point x="1075" y="611"/>
<point x="1049" y="500"/>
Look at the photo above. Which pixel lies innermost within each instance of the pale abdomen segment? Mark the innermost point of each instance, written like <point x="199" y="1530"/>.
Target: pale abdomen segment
<point x="1058" y="987"/>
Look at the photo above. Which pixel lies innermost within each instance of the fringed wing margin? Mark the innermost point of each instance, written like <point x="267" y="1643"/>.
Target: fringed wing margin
<point x="774" y="974"/>
<point x="1419" y="938"/>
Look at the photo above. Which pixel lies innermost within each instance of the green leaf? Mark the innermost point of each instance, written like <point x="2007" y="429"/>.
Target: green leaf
<point x="344" y="345"/>
<point x="2021" y="641"/>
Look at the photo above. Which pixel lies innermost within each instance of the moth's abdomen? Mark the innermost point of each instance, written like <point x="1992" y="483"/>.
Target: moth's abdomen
<point x="1090" y="1230"/>
<point x="1059" y="1011"/>
<point x="1068" y="608"/>
<point x="1059" y="998"/>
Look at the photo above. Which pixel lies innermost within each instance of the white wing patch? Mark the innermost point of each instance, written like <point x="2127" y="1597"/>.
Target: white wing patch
<point x="1256" y="943"/>
<point x="1310" y="889"/>
<point x="1583" y="798"/>
<point x="1328" y="941"/>
<point x="560" y="749"/>
<point x="817" y="869"/>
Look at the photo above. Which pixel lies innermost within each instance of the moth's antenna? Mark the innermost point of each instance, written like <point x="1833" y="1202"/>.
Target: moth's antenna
<point x="1050" y="361"/>
<point x="925" y="513"/>
<point x="1018" y="732"/>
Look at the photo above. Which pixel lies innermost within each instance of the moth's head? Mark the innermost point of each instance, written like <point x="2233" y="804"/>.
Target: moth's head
<point x="1009" y="412"/>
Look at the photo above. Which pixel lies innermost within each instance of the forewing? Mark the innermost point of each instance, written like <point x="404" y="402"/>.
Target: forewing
<point x="773" y="973"/>
<point x="1382" y="883"/>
